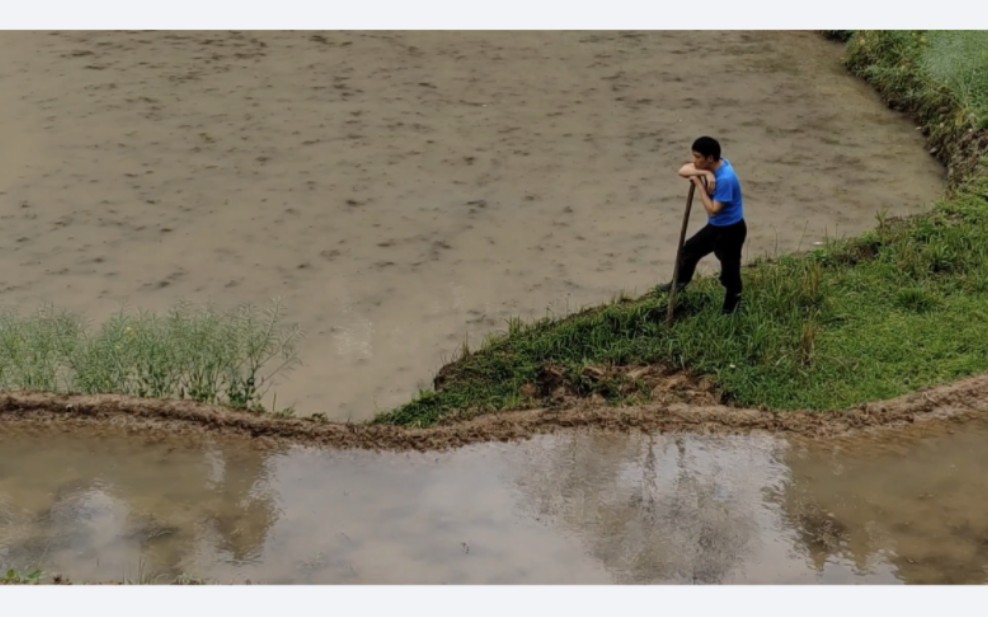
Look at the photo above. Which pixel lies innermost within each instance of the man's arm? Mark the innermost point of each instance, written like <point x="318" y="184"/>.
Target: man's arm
<point x="689" y="171"/>
<point x="709" y="204"/>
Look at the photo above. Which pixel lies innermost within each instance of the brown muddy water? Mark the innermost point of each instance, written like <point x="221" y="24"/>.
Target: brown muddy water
<point x="900" y="506"/>
<point x="406" y="192"/>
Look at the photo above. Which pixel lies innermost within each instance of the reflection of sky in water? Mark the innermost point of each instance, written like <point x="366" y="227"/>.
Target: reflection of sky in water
<point x="409" y="518"/>
<point x="576" y="507"/>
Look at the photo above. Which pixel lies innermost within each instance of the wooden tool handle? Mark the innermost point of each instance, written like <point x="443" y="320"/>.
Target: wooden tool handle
<point x="679" y="254"/>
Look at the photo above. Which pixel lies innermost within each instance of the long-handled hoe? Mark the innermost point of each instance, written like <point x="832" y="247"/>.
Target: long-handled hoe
<point x="679" y="254"/>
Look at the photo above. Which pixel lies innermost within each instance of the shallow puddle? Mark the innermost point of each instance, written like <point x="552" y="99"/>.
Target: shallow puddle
<point x="573" y="507"/>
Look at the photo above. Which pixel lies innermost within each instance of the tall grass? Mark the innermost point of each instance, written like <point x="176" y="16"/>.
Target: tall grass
<point x="15" y="577"/>
<point x="941" y="78"/>
<point x="959" y="61"/>
<point x="230" y="358"/>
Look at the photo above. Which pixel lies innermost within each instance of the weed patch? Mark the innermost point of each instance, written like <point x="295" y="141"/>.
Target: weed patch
<point x="229" y="358"/>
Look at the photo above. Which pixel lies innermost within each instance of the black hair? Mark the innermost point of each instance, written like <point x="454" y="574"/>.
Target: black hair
<point x="707" y="146"/>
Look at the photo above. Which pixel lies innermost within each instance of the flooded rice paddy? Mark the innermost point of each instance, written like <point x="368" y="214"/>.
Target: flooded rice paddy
<point x="404" y="193"/>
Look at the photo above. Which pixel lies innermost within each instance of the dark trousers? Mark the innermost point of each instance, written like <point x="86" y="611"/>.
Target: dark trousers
<point x="725" y="243"/>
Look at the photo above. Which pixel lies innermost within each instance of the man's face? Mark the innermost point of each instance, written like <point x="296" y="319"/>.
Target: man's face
<point x="703" y="162"/>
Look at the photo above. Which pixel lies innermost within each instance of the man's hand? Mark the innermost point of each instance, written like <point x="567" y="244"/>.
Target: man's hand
<point x="712" y="207"/>
<point x="705" y="182"/>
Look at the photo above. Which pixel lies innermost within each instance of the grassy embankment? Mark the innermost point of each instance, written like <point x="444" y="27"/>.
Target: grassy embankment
<point x="900" y="308"/>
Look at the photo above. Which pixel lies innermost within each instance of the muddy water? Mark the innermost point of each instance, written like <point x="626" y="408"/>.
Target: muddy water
<point x="406" y="192"/>
<point x="573" y="507"/>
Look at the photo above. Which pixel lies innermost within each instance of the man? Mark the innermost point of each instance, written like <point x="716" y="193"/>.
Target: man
<point x="720" y="192"/>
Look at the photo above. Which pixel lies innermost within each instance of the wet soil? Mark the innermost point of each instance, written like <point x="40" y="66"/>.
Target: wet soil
<point x="953" y="402"/>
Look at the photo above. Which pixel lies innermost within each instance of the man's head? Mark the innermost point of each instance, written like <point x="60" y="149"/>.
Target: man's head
<point x="706" y="153"/>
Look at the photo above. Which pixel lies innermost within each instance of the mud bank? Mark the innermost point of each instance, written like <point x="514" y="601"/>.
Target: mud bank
<point x="961" y="400"/>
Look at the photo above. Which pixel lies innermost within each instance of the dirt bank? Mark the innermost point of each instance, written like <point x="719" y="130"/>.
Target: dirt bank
<point x="953" y="402"/>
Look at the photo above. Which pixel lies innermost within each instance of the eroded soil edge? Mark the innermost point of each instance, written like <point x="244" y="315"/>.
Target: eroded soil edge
<point x="957" y="401"/>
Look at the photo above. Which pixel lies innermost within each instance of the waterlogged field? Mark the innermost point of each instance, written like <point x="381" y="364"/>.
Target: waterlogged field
<point x="406" y="193"/>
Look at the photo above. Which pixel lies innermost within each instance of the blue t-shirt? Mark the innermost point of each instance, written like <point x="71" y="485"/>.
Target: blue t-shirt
<point x="728" y="192"/>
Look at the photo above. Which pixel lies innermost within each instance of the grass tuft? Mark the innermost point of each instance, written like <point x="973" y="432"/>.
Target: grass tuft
<point x="229" y="358"/>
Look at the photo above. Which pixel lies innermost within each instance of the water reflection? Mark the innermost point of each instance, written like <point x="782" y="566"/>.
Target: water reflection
<point x="651" y="508"/>
<point x="243" y="484"/>
<point x="575" y="507"/>
<point x="915" y="500"/>
<point x="133" y="509"/>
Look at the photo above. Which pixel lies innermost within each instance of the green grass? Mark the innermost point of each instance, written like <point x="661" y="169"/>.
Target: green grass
<point x="959" y="61"/>
<point x="900" y="308"/>
<point x="941" y="78"/>
<point x="943" y="67"/>
<point x="192" y="353"/>
<point x="15" y="577"/>
<point x="37" y="576"/>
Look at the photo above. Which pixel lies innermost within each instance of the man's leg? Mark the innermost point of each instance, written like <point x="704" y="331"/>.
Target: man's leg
<point x="728" y="251"/>
<point x="696" y="248"/>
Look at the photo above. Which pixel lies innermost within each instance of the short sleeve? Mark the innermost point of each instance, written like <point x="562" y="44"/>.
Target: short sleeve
<point x="724" y="193"/>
